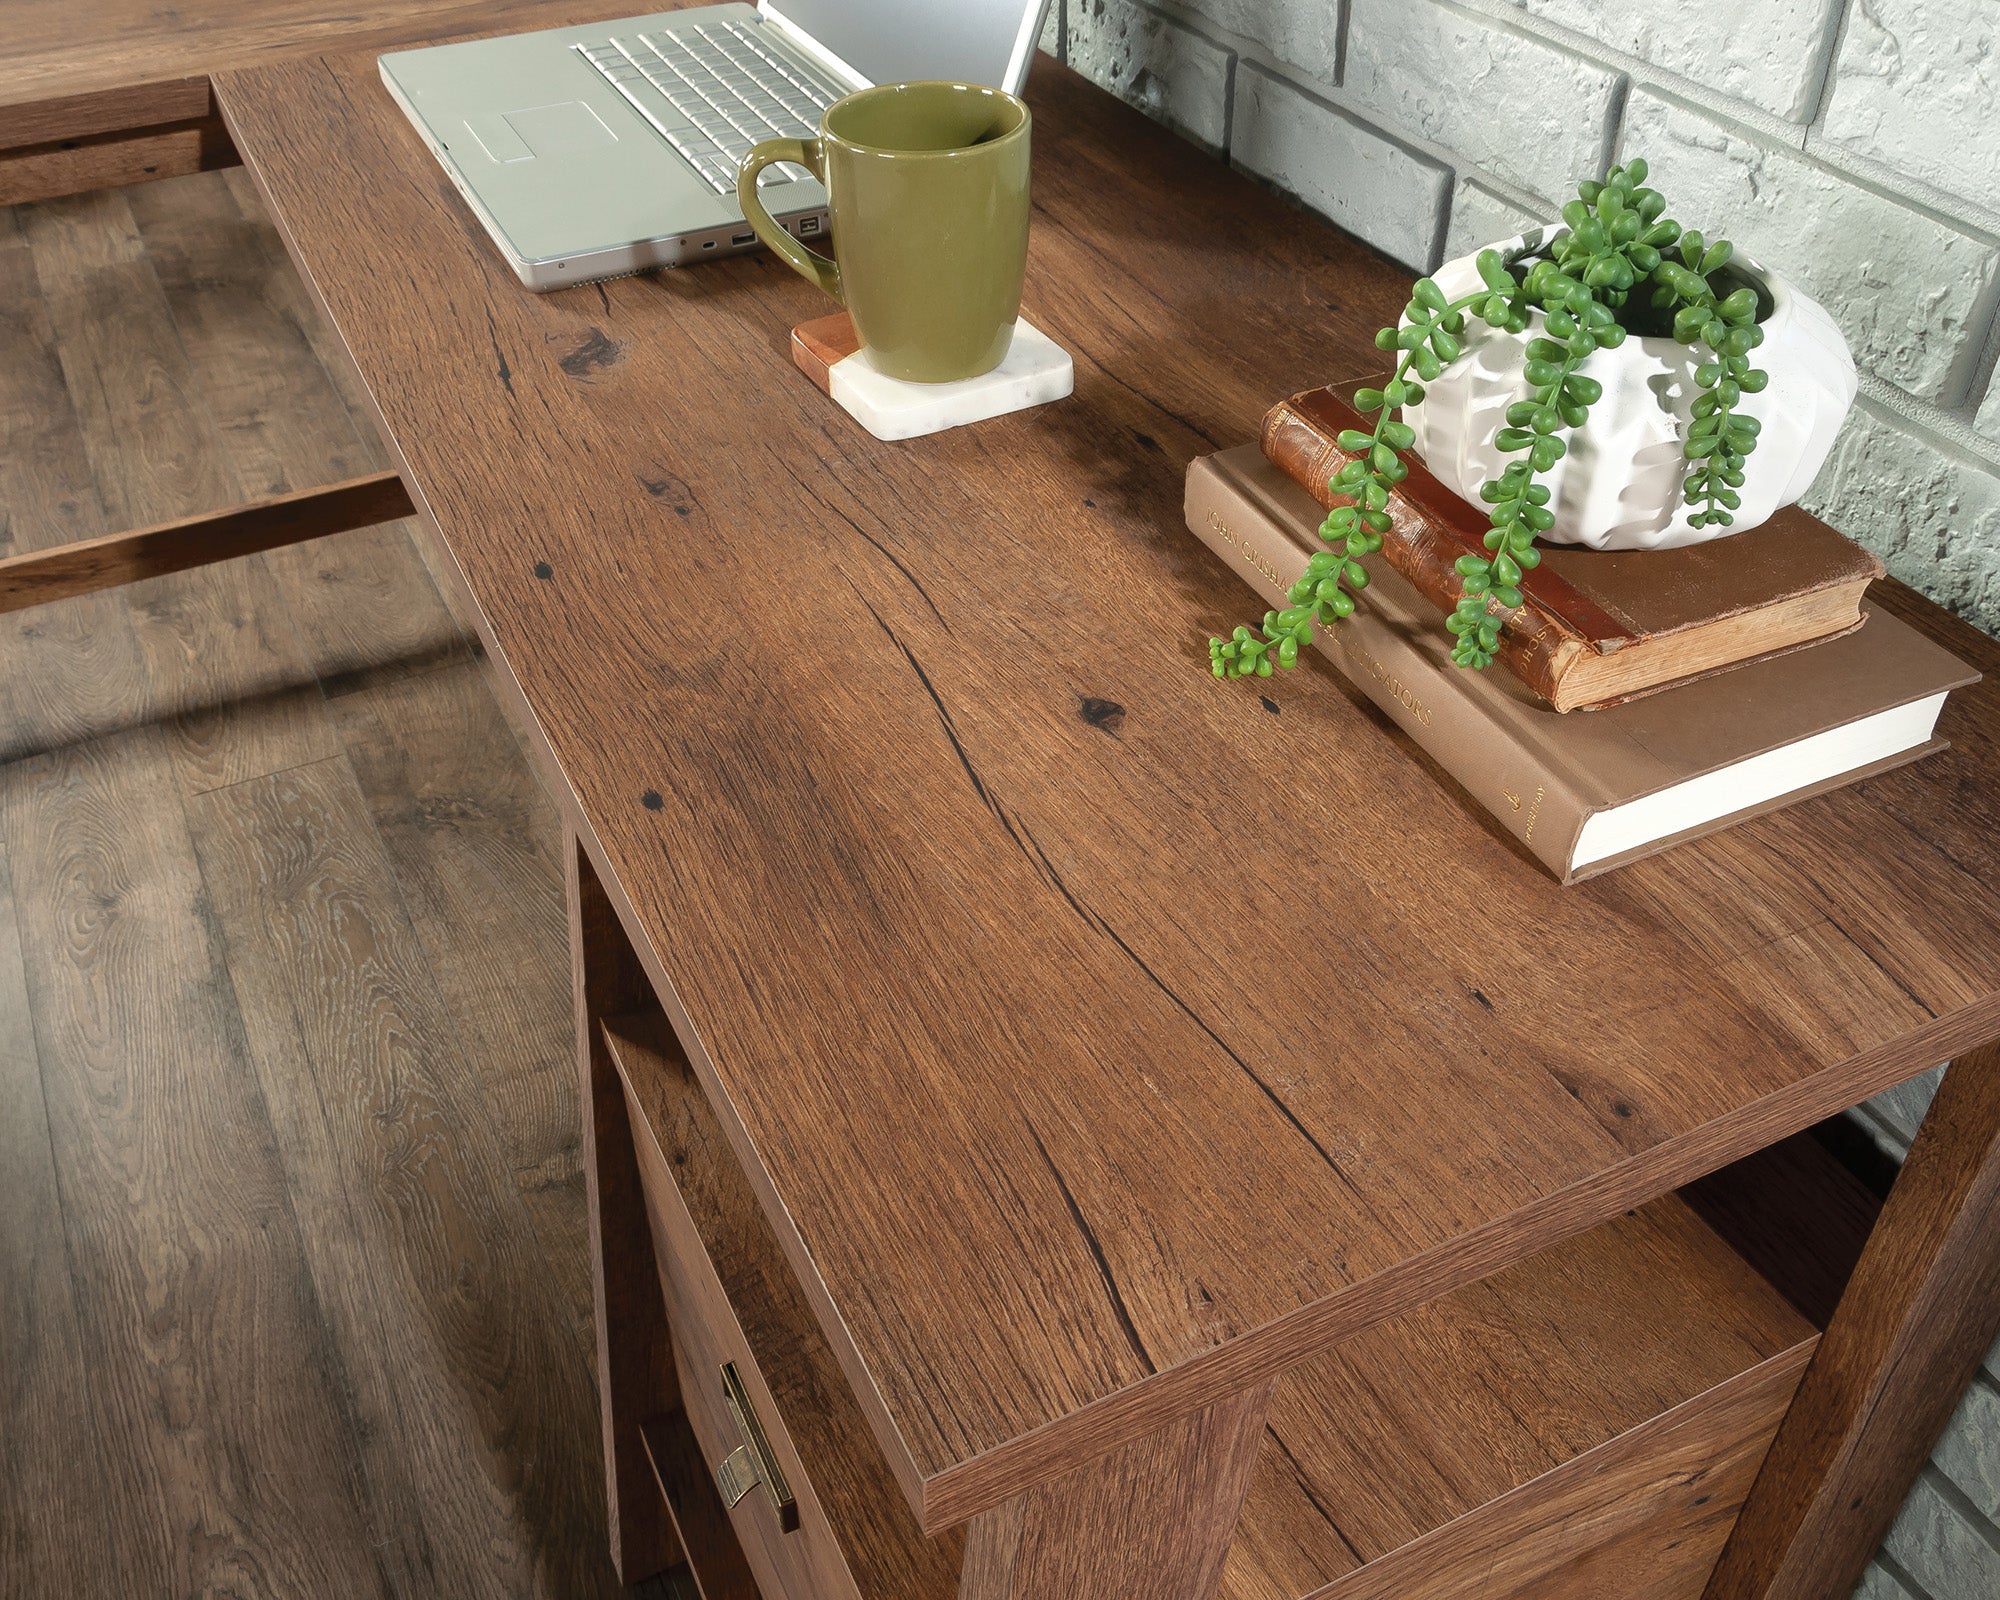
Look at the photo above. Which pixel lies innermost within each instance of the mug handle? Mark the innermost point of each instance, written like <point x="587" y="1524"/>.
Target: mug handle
<point x="807" y="153"/>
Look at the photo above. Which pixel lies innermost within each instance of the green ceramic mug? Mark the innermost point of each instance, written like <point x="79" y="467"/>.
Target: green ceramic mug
<point x="927" y="184"/>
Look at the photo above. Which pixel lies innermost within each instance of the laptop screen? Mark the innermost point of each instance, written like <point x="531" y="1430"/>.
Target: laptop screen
<point x="893" y="41"/>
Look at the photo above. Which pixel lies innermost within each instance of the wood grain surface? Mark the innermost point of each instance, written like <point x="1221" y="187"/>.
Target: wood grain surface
<point x="120" y="558"/>
<point x="1099" y="1039"/>
<point x="700" y="1522"/>
<point x="1432" y="1420"/>
<point x="636" y="1378"/>
<point x="175" y="1188"/>
<point x="1600" y="1407"/>
<point x="51" y="1480"/>
<point x="105" y="160"/>
<point x="366" y="1090"/>
<point x="1639" y="1518"/>
<point x="719" y="1254"/>
<point x="1153" y="1520"/>
<point x="1925" y="1308"/>
<point x="267" y="1329"/>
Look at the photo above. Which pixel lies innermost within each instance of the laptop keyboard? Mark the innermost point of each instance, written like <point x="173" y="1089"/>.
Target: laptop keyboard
<point x="712" y="91"/>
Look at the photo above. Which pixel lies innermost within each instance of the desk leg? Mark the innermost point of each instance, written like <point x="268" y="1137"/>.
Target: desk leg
<point x="1152" y="1521"/>
<point x="1921" y="1309"/>
<point x="635" y="1364"/>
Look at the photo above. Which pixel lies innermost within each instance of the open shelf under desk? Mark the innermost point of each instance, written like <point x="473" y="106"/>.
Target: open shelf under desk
<point x="1584" y="1424"/>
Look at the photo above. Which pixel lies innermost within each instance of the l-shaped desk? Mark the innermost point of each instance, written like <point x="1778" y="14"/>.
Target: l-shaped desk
<point x="1062" y="1128"/>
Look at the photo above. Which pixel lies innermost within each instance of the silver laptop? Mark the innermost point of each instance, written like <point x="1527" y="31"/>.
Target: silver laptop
<point x="609" y="148"/>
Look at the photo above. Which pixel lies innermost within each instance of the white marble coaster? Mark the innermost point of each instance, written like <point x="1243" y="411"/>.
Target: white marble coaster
<point x="1036" y="369"/>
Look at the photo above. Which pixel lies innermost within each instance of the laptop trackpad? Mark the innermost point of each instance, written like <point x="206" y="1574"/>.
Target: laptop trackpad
<point x="556" y="130"/>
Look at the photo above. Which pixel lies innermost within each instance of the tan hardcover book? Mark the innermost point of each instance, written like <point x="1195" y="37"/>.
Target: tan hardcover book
<point x="1598" y="627"/>
<point x="1586" y="794"/>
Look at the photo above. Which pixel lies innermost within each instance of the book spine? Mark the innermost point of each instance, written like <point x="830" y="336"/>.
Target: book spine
<point x="1532" y="646"/>
<point x="1441" y="710"/>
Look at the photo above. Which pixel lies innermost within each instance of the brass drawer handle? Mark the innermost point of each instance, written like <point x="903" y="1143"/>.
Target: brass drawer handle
<point x="751" y="1462"/>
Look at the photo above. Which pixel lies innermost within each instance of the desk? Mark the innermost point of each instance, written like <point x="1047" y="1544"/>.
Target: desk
<point x="980" y="1003"/>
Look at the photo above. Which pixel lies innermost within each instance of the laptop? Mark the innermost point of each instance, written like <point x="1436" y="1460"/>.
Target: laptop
<point x="612" y="147"/>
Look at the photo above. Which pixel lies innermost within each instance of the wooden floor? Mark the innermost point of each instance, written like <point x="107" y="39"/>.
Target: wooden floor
<point x="293" y="1293"/>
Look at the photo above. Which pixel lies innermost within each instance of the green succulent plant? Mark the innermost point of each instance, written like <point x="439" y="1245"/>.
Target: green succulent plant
<point x="1590" y="281"/>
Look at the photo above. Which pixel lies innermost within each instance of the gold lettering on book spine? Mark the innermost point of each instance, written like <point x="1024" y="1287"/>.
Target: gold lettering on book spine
<point x="1534" y="816"/>
<point x="1215" y="521"/>
<point x="1394" y="686"/>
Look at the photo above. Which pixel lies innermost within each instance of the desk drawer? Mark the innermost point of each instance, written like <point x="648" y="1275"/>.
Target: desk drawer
<point x="819" y="1515"/>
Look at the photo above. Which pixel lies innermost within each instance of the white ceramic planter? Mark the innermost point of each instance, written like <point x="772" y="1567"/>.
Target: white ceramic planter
<point x="1619" y="487"/>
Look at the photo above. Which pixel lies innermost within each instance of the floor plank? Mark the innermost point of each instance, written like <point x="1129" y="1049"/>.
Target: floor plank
<point x="362" y="606"/>
<point x="288" y="296"/>
<point x="53" y="1532"/>
<point x="314" y="1267"/>
<point x="209" y="1369"/>
<point x="473" y="844"/>
<point x="219" y="648"/>
<point x="471" y="1373"/>
<point x="47" y="495"/>
<point x="73" y="667"/>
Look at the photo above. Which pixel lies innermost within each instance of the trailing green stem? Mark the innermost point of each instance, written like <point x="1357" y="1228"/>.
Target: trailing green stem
<point x="1334" y="576"/>
<point x="1719" y="437"/>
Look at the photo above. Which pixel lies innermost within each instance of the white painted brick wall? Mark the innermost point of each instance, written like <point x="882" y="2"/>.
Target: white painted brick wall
<point x="1940" y="1543"/>
<point x="1931" y="513"/>
<point x="1767" y="53"/>
<point x="1913" y="293"/>
<point x="1363" y="180"/>
<point x="1852" y="144"/>
<point x="1531" y="114"/>
<point x="1159" y="64"/>
<point x="1973" y="1470"/>
<point x="1915" y="87"/>
<point x="1303" y="34"/>
<point x="1900" y="1110"/>
<point x="1881" y="1584"/>
<point x="1481" y="217"/>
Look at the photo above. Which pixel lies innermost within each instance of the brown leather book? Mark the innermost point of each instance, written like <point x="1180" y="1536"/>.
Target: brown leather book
<point x="1597" y="627"/>
<point x="1586" y="794"/>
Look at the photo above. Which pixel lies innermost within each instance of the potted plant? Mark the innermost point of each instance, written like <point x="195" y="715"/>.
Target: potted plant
<point x="1591" y="384"/>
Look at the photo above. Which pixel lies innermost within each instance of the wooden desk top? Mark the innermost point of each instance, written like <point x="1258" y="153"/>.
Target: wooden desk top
<point x="1098" y="1036"/>
<point x="71" y="68"/>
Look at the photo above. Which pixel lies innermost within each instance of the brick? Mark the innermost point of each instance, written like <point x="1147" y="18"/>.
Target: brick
<point x="1304" y="34"/>
<point x="1879" y="1583"/>
<point x="1931" y="514"/>
<point x="1163" y="67"/>
<point x="1916" y="86"/>
<point x="1988" y="420"/>
<point x="1944" y="1550"/>
<point x="1885" y="1138"/>
<point x="1902" y="1108"/>
<point x="1353" y="174"/>
<point x="1969" y="1452"/>
<point x="1767" y="52"/>
<point x="1052" y="30"/>
<point x="1481" y="217"/>
<point x="1534" y="115"/>
<point x="1913" y="292"/>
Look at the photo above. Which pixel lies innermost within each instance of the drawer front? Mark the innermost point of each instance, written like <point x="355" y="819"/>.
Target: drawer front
<point x="781" y="1525"/>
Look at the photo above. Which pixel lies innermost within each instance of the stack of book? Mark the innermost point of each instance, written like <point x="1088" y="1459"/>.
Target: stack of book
<point x="1640" y="698"/>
